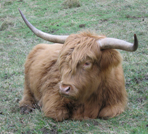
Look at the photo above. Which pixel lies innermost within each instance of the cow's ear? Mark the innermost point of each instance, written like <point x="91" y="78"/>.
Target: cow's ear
<point x="110" y="58"/>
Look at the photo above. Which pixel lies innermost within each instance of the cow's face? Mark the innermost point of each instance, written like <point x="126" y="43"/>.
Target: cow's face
<point x="79" y="67"/>
<point x="82" y="82"/>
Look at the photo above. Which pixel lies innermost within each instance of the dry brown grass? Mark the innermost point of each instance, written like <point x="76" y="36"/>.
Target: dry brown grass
<point x="71" y="3"/>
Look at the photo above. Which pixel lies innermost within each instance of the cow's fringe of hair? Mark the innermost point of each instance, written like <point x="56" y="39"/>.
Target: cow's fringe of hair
<point x="78" y="47"/>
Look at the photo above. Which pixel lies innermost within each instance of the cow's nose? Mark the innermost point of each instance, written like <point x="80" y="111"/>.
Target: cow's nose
<point x="65" y="88"/>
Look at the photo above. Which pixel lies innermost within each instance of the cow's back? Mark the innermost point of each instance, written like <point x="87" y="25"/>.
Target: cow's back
<point x="41" y="68"/>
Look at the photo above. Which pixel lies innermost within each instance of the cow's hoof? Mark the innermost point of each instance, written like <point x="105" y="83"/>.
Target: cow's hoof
<point x="25" y="109"/>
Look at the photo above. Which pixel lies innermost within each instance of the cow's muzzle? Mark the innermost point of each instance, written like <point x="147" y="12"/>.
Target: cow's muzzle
<point x="65" y="89"/>
<point x="68" y="91"/>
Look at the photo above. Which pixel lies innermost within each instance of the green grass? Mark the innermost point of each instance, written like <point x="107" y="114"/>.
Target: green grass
<point x="113" y="18"/>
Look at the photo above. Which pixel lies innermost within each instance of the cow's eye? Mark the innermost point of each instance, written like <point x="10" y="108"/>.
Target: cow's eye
<point x="87" y="65"/>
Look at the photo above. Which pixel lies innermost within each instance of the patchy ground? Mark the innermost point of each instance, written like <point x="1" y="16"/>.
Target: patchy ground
<point x="119" y="19"/>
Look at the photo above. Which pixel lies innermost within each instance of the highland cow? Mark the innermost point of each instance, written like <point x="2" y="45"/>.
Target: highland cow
<point x="80" y="78"/>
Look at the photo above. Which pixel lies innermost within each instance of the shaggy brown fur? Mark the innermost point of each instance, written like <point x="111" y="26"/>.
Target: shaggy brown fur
<point x="95" y="78"/>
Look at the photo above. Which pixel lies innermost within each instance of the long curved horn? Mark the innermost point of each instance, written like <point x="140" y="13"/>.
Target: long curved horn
<point x="43" y="35"/>
<point x="112" y="43"/>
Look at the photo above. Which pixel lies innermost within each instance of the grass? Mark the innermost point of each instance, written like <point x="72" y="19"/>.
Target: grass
<point x="119" y="19"/>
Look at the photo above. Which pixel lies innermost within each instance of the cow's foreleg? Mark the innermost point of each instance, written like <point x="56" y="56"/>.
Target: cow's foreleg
<point x="27" y="103"/>
<point x="111" y="111"/>
<point x="53" y="106"/>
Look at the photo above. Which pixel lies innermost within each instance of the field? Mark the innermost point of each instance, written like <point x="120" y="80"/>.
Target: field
<point x="113" y="18"/>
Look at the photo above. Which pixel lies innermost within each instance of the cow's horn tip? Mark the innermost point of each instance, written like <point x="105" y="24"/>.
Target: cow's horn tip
<point x="135" y="42"/>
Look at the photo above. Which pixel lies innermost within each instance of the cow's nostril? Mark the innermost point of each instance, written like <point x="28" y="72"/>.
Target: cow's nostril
<point x="67" y="89"/>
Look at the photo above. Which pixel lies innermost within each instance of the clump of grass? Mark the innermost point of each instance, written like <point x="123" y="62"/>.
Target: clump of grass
<point x="8" y="2"/>
<point x="71" y="3"/>
<point x="5" y="25"/>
